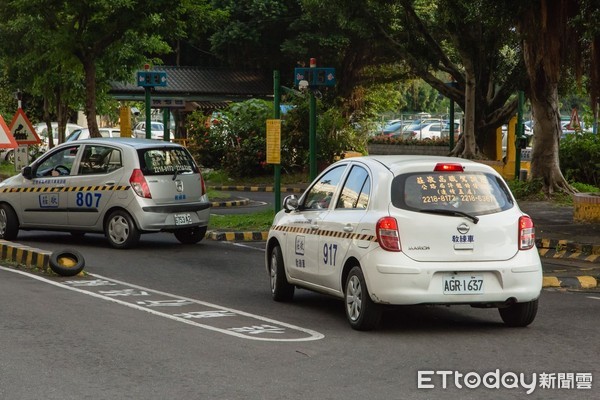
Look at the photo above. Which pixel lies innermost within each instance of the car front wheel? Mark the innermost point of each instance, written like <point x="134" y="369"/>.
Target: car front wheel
<point x="519" y="314"/>
<point x="281" y="290"/>
<point x="120" y="230"/>
<point x="190" y="235"/>
<point x="362" y="313"/>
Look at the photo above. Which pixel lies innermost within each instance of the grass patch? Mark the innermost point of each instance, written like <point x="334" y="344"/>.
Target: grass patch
<point x="259" y="221"/>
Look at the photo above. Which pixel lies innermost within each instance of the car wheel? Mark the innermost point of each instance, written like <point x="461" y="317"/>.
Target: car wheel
<point x="190" y="235"/>
<point x="519" y="314"/>
<point x="120" y="230"/>
<point x="10" y="157"/>
<point x="67" y="262"/>
<point x="362" y="313"/>
<point x="281" y="290"/>
<point x="9" y="223"/>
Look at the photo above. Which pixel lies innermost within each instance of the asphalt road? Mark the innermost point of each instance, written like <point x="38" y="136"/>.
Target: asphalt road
<point x="197" y="322"/>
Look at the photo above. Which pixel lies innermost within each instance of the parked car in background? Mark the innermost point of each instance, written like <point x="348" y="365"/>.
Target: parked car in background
<point x="121" y="187"/>
<point x="380" y="231"/>
<point x="84" y="133"/>
<point x="35" y="150"/>
<point x="157" y="130"/>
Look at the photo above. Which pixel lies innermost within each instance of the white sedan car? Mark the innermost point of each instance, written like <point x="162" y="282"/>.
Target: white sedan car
<point x="399" y="230"/>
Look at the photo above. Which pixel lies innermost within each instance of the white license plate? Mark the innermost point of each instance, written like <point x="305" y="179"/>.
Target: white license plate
<point x="463" y="284"/>
<point x="183" y="219"/>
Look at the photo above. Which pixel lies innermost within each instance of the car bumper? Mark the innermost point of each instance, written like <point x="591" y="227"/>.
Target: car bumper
<point x="393" y="278"/>
<point x="162" y="218"/>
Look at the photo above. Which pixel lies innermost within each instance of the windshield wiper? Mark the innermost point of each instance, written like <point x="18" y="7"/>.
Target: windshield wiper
<point x="178" y="171"/>
<point x="453" y="213"/>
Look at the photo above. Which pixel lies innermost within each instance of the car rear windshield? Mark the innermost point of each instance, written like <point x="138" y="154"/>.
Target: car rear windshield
<point x="166" y="161"/>
<point x="474" y="192"/>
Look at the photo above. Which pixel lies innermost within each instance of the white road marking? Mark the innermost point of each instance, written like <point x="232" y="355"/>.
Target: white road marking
<point x="250" y="332"/>
<point x="593" y="297"/>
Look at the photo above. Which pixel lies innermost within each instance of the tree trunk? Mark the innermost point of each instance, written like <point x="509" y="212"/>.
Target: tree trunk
<point x="90" y="96"/>
<point x="470" y="145"/>
<point x="545" y="163"/>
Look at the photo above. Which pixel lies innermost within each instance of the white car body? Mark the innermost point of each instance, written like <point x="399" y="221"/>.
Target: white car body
<point x="157" y="130"/>
<point x="320" y="247"/>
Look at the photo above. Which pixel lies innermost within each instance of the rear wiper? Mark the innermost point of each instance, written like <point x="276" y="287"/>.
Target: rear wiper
<point x="454" y="213"/>
<point x="178" y="171"/>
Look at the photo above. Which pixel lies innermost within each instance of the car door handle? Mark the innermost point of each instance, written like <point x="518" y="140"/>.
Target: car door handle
<point x="109" y="183"/>
<point x="348" y="228"/>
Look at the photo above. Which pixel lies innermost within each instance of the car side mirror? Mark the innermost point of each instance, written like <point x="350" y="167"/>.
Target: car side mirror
<point x="290" y="203"/>
<point x="27" y="172"/>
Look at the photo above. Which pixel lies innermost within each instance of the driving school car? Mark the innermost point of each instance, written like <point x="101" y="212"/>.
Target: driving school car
<point x="116" y="186"/>
<point x="398" y="230"/>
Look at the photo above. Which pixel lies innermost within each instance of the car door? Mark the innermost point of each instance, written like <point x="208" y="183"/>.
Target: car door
<point x="44" y="198"/>
<point x="94" y="184"/>
<point x="340" y="227"/>
<point x="303" y="242"/>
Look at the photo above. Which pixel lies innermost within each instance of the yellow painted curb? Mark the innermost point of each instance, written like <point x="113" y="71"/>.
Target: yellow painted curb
<point x="550" y="281"/>
<point x="587" y="282"/>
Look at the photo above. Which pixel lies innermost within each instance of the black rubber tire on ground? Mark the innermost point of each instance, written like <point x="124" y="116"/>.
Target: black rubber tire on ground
<point x="362" y="313"/>
<point x="281" y="290"/>
<point x="67" y="262"/>
<point x="519" y="314"/>
<point x="9" y="223"/>
<point x="190" y="235"/>
<point x="121" y="231"/>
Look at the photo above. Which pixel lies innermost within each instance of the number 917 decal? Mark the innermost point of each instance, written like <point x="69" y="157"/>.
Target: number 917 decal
<point x="329" y="253"/>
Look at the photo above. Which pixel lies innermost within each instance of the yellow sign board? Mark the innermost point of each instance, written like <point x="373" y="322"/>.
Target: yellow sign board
<point x="273" y="141"/>
<point x="125" y="121"/>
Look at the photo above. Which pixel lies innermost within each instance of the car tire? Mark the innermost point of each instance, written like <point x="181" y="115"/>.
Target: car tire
<point x="9" y="223"/>
<point x="281" y="290"/>
<point x="120" y="230"/>
<point x="190" y="235"/>
<point x="519" y="314"/>
<point x="362" y="313"/>
<point x="67" y="262"/>
<point x="10" y="157"/>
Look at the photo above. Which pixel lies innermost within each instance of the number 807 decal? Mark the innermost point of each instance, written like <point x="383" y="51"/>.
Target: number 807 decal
<point x="329" y="253"/>
<point x="88" y="199"/>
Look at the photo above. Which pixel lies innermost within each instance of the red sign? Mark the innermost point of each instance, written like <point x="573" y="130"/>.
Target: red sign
<point x="7" y="141"/>
<point x="22" y="130"/>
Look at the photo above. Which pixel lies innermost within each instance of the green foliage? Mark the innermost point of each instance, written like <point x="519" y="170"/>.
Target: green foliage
<point x="236" y="139"/>
<point x="580" y="158"/>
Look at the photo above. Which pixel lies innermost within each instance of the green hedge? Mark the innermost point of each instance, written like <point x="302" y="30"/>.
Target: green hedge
<point x="580" y="158"/>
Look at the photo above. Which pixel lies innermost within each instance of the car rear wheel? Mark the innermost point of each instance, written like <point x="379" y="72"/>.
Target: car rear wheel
<point x="190" y="235"/>
<point x="9" y="223"/>
<point x="362" y="313"/>
<point x="519" y="314"/>
<point x="120" y="230"/>
<point x="281" y="290"/>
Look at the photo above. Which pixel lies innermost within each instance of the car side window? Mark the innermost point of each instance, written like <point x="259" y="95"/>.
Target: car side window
<point x="59" y="163"/>
<point x="99" y="160"/>
<point x="321" y="194"/>
<point x="356" y="191"/>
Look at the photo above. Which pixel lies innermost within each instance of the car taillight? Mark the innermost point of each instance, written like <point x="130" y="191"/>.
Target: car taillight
<point x="202" y="185"/>
<point x="448" y="167"/>
<point x="139" y="184"/>
<point x="526" y="233"/>
<point x="387" y="234"/>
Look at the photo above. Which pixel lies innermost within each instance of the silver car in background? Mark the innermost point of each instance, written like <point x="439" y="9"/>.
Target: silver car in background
<point x="117" y="186"/>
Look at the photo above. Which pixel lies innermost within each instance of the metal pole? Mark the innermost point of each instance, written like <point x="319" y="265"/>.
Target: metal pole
<point x="148" y="119"/>
<point x="312" y="138"/>
<point x="519" y="135"/>
<point x="277" y="115"/>
<point x="167" y="124"/>
<point x="451" y="125"/>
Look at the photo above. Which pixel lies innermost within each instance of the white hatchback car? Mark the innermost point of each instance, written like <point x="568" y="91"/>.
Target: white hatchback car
<point x="121" y="187"/>
<point x="398" y="230"/>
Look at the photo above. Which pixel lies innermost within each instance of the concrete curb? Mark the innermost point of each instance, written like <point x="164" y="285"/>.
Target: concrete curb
<point x="25" y="255"/>
<point x="555" y="248"/>
<point x="231" y="203"/>
<point x="256" y="189"/>
<point x="572" y="282"/>
<point x="252" y="236"/>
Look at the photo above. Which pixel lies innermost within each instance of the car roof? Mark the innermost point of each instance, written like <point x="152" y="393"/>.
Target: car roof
<point x="393" y="162"/>
<point x="126" y="142"/>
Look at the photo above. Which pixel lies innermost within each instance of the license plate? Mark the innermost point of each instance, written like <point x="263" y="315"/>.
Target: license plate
<point x="183" y="219"/>
<point x="463" y="284"/>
